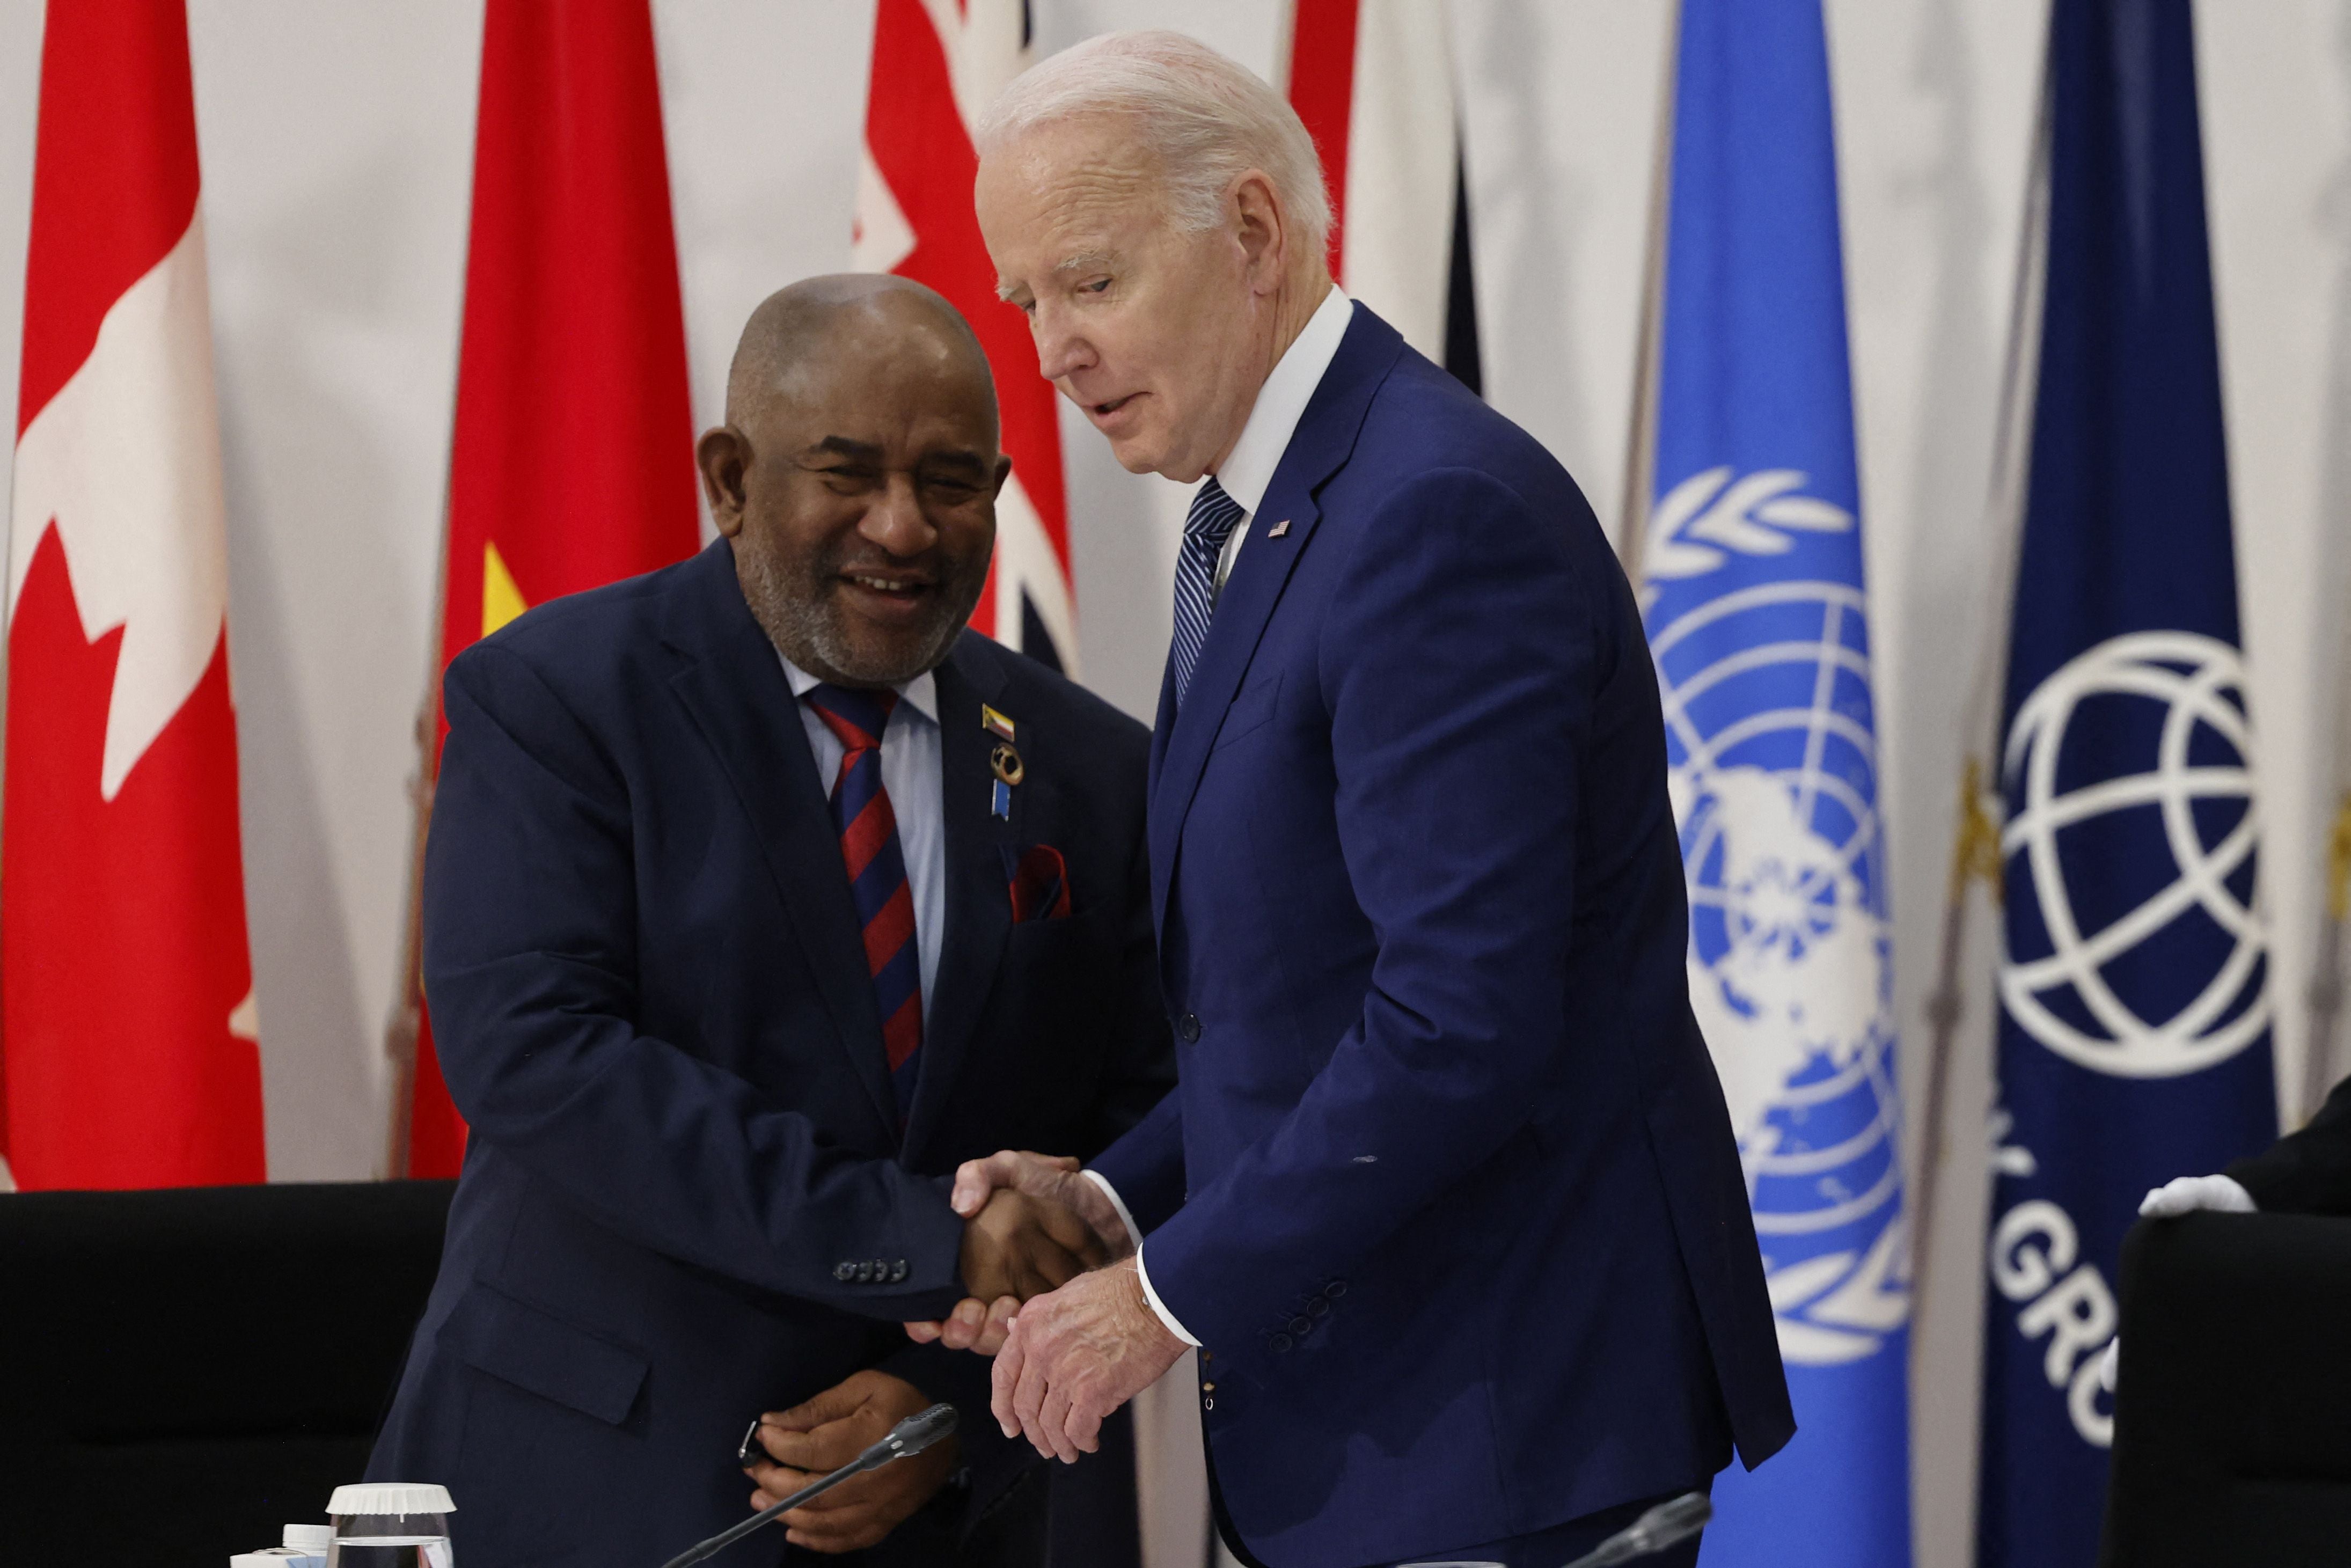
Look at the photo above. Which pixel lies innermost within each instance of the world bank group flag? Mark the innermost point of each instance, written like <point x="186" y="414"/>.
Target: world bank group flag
<point x="1750" y="563"/>
<point x="2134" y="989"/>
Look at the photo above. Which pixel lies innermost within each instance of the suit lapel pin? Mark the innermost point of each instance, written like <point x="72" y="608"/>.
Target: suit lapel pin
<point x="1004" y="761"/>
<point x="1278" y="529"/>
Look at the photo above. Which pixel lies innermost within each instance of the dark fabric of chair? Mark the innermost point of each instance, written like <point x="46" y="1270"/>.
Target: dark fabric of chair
<point x="2233" y="1416"/>
<point x="183" y="1371"/>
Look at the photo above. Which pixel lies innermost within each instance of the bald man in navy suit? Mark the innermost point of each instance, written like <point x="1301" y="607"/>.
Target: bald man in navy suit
<point x="761" y="893"/>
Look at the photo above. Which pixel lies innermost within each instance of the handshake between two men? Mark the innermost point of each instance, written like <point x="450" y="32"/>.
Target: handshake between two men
<point x="1073" y="1350"/>
<point x="1056" y="1298"/>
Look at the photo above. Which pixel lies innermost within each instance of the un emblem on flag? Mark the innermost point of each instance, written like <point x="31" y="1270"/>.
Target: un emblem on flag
<point x="1770" y="738"/>
<point x="2133" y="945"/>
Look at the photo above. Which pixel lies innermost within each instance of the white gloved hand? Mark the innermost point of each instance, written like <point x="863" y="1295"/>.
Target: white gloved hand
<point x="2187" y="1195"/>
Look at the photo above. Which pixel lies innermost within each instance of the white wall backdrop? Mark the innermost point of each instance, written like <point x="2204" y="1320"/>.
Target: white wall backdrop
<point x="337" y="144"/>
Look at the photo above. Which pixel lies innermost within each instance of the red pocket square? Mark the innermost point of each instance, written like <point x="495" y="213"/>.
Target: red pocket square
<point x="1040" y="883"/>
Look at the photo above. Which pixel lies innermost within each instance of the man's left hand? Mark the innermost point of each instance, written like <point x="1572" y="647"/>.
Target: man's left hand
<point x="811" y="1441"/>
<point x="1075" y="1354"/>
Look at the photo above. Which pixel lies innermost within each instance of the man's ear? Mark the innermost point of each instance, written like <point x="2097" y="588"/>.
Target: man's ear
<point x="722" y="455"/>
<point x="1003" y="472"/>
<point x="1264" y="231"/>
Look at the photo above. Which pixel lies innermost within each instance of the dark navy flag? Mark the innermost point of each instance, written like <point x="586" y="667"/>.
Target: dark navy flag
<point x="1752" y="594"/>
<point x="2135" y="985"/>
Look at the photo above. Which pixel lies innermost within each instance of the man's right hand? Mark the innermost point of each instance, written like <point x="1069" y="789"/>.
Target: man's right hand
<point x="1054" y="1176"/>
<point x="980" y="1322"/>
<point x="1019" y="1245"/>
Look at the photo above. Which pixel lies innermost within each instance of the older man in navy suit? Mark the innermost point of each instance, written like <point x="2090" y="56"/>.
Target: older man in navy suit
<point x="1447" y="1195"/>
<point x="759" y="894"/>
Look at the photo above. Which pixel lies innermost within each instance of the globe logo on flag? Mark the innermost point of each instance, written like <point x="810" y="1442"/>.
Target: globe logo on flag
<point x="2132" y="758"/>
<point x="1773" y="776"/>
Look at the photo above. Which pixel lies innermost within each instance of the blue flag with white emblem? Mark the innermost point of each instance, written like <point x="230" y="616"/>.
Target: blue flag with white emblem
<point x="2134" y="982"/>
<point x="1752" y="594"/>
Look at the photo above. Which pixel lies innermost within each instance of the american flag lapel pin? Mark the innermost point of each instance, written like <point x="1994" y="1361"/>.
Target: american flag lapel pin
<point x="1278" y="529"/>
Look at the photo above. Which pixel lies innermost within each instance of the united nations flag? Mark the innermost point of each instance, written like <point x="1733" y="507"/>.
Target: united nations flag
<point x="1750" y="565"/>
<point x="2134" y="982"/>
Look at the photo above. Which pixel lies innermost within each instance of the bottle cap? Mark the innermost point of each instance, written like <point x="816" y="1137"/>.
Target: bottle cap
<point x="312" y="1539"/>
<point x="390" y="1497"/>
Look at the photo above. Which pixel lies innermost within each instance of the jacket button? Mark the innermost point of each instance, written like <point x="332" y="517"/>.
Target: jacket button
<point x="845" y="1272"/>
<point x="1187" y="1029"/>
<point x="1319" y="1307"/>
<point x="1301" y="1326"/>
<point x="1279" y="1344"/>
<point x="1335" y="1288"/>
<point x="897" y="1271"/>
<point x="865" y="1272"/>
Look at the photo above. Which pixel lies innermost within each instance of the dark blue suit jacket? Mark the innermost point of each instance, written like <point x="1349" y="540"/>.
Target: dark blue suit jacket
<point x="1448" y="1187"/>
<point x="684" y="1200"/>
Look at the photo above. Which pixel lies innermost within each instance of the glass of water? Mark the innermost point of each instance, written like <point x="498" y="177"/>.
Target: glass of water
<point x="390" y="1525"/>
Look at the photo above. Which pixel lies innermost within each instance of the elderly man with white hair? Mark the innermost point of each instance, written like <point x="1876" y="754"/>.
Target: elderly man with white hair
<point x="1447" y="1195"/>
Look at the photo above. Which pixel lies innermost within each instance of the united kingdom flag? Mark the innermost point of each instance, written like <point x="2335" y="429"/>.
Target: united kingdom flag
<point x="936" y="64"/>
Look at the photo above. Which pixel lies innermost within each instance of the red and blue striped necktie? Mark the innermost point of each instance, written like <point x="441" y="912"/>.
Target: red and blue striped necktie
<point x="877" y="874"/>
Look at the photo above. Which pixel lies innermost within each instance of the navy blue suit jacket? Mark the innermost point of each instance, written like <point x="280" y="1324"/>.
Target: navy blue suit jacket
<point x="684" y="1199"/>
<point x="1448" y="1187"/>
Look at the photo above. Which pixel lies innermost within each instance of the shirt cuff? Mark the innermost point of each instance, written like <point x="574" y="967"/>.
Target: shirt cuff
<point x="1158" y="1307"/>
<point x="1133" y="1237"/>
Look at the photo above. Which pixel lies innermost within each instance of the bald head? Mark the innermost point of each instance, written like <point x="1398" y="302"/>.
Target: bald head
<point x="856" y="475"/>
<point x="814" y="328"/>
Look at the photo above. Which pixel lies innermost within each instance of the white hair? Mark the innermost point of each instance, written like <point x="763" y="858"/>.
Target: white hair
<point x="1205" y="119"/>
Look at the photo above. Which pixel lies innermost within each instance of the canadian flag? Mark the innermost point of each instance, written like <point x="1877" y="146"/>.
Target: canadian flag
<point x="127" y="1045"/>
<point x="936" y="64"/>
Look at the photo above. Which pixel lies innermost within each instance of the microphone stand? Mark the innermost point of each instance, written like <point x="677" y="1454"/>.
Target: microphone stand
<point x="907" y="1438"/>
<point x="1665" y="1525"/>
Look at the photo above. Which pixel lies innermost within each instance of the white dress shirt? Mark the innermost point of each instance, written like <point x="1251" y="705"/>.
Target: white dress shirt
<point x="912" y="777"/>
<point x="1245" y="476"/>
<point x="1273" y="420"/>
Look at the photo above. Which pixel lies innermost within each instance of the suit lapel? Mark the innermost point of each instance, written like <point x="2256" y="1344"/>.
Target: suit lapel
<point x="739" y="698"/>
<point x="1163" y="725"/>
<point x="1320" y="447"/>
<point x="978" y="898"/>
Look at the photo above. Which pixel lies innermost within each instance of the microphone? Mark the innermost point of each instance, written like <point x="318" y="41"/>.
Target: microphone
<point x="1663" y="1526"/>
<point x="905" y="1440"/>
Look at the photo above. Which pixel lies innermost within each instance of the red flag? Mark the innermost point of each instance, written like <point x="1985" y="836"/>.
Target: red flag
<point x="935" y="66"/>
<point x="573" y="458"/>
<point x="127" y="1050"/>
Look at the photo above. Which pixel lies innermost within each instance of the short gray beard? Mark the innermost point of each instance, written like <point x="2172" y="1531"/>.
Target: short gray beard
<point x="802" y="624"/>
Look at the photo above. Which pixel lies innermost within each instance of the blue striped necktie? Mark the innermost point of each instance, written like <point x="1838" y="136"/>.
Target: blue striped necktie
<point x="877" y="875"/>
<point x="1214" y="514"/>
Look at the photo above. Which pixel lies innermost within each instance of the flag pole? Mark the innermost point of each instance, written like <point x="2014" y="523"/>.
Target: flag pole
<point x="1976" y="841"/>
<point x="1641" y="438"/>
<point x="2325" y="993"/>
<point x="400" y="1035"/>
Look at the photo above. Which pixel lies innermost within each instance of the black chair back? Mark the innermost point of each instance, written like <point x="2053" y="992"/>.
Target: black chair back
<point x="183" y="1371"/>
<point x="2233" y="1416"/>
